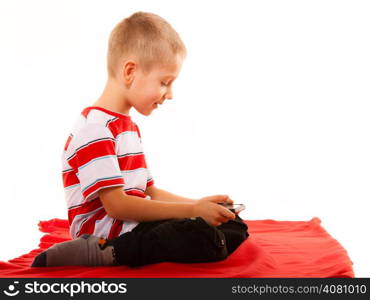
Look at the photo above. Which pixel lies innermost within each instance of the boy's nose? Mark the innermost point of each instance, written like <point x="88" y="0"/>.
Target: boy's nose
<point x="168" y="96"/>
<point x="169" y="93"/>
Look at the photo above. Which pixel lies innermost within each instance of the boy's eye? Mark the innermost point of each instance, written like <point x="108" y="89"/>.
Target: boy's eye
<point x="163" y="83"/>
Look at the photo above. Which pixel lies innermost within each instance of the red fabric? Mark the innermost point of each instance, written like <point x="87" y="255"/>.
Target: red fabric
<point x="274" y="249"/>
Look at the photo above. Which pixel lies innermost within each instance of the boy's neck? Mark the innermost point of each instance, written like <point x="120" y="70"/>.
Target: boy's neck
<point x="113" y="98"/>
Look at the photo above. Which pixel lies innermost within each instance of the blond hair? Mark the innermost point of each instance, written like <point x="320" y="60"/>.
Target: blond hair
<point x="146" y="36"/>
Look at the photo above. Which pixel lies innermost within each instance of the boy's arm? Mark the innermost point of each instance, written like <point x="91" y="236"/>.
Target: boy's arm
<point x="121" y="206"/>
<point x="162" y="195"/>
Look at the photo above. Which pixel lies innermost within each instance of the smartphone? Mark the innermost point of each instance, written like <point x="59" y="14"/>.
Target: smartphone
<point x="235" y="208"/>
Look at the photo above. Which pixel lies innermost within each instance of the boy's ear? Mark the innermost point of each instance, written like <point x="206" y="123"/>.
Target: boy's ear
<point x="127" y="71"/>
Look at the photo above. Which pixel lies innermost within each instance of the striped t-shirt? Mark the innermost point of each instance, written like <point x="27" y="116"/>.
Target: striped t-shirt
<point x="103" y="150"/>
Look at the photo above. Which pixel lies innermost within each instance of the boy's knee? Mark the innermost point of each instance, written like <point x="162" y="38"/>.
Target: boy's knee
<point x="215" y="243"/>
<point x="220" y="251"/>
<point x="192" y="240"/>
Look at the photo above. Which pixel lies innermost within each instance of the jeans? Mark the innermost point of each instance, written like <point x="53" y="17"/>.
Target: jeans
<point x="187" y="240"/>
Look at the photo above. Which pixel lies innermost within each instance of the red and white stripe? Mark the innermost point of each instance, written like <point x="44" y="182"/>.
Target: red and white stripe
<point x="103" y="150"/>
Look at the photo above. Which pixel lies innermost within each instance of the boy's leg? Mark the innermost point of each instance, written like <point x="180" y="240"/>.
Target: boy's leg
<point x="87" y="250"/>
<point x="235" y="232"/>
<point x="187" y="240"/>
<point x="178" y="240"/>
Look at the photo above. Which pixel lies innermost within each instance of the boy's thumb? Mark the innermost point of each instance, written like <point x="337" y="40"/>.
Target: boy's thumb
<point x="220" y="198"/>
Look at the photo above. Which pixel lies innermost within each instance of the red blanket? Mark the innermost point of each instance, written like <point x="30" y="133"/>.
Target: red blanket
<point x="274" y="249"/>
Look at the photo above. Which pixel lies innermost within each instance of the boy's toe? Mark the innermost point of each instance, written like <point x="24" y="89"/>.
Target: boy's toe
<point x="40" y="260"/>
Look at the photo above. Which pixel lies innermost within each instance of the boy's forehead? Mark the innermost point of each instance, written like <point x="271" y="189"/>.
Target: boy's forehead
<point x="170" y="71"/>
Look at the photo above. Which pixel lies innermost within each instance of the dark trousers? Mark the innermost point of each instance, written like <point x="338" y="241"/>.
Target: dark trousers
<point x="188" y="240"/>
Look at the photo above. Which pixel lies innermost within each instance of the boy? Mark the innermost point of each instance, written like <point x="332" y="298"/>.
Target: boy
<point x="117" y="216"/>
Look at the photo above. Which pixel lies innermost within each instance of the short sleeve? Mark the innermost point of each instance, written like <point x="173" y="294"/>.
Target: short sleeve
<point x="94" y="160"/>
<point x="150" y="180"/>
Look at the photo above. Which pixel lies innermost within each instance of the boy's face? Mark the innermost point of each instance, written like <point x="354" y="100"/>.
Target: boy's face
<point x="147" y="91"/>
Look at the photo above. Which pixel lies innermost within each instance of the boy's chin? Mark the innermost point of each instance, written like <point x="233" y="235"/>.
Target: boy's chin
<point x="144" y="112"/>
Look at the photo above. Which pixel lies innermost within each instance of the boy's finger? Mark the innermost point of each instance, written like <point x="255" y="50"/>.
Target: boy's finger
<point x="223" y="220"/>
<point x="228" y="213"/>
<point x="219" y="198"/>
<point x="225" y="198"/>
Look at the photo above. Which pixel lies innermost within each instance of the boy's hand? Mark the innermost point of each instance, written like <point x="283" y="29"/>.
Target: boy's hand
<point x="211" y="212"/>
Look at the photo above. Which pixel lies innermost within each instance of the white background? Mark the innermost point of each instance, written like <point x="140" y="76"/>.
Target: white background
<point x="271" y="107"/>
